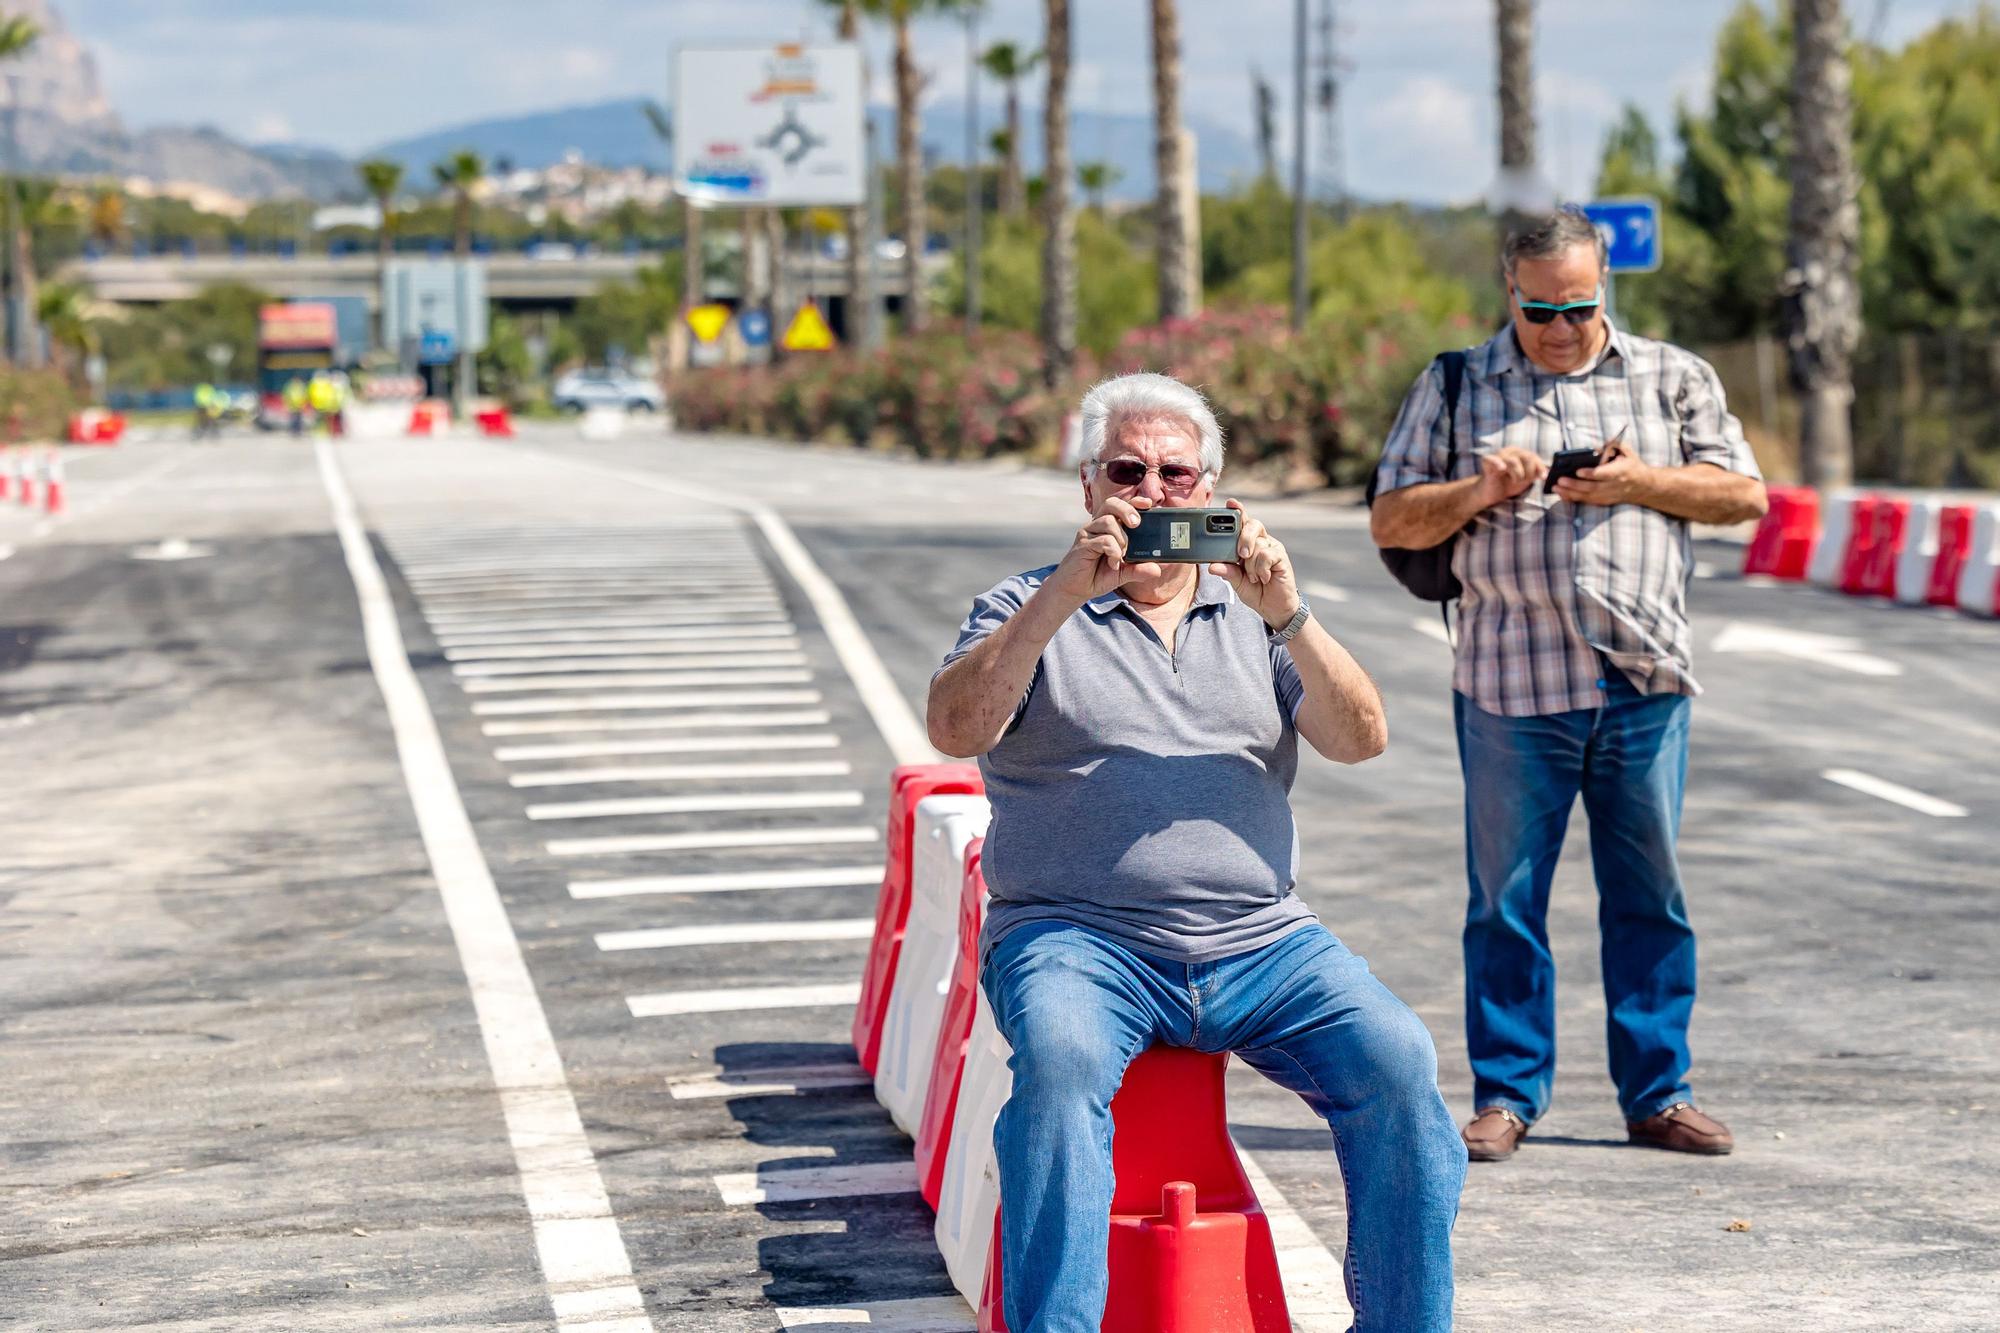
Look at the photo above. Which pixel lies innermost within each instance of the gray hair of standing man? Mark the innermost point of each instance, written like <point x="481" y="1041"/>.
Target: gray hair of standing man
<point x="1553" y="234"/>
<point x="1148" y="397"/>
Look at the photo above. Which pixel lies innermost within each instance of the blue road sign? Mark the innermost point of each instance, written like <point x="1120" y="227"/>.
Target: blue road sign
<point x="1631" y="231"/>
<point x="436" y="348"/>
<point x="754" y="327"/>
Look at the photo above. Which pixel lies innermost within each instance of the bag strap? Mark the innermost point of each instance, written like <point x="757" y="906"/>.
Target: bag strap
<point x="1453" y="364"/>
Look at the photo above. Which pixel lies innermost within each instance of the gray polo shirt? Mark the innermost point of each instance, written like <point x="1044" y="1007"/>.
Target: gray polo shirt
<point x="1142" y="791"/>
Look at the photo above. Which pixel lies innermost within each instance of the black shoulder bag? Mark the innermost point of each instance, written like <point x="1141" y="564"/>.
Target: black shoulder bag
<point x="1427" y="573"/>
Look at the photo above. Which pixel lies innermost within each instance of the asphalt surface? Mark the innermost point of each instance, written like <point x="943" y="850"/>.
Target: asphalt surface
<point x="247" y="1085"/>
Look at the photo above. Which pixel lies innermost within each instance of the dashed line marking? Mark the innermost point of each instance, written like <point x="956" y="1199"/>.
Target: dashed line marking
<point x="770" y="1081"/>
<point x="511" y="754"/>
<point x="1431" y="629"/>
<point x="687" y="623"/>
<point x="715" y="839"/>
<point x="697" y="805"/>
<point x="753" y="656"/>
<point x="612" y="703"/>
<point x="673" y="722"/>
<point x="917" y="1314"/>
<point x="1907" y="797"/>
<point x="639" y="680"/>
<point x="763" y="932"/>
<point x="587" y="656"/>
<point x="744" y="1189"/>
<point x="590" y="777"/>
<point x="744" y="999"/>
<point x="749" y="881"/>
<point x="1325" y="592"/>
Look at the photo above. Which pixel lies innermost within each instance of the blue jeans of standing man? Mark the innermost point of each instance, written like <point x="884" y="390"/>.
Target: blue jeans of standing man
<point x="1628" y="760"/>
<point x="1077" y="1007"/>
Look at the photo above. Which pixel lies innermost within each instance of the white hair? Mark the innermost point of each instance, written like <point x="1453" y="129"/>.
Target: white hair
<point x="1148" y="397"/>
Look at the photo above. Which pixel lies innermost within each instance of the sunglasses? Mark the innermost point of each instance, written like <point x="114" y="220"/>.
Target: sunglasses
<point x="1576" y="312"/>
<point x="1132" y="472"/>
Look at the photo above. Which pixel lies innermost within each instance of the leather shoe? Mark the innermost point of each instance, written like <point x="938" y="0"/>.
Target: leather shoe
<point x="1493" y="1135"/>
<point x="1681" y="1128"/>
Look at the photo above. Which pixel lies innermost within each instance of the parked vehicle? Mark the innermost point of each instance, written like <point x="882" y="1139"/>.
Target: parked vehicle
<point x="581" y="390"/>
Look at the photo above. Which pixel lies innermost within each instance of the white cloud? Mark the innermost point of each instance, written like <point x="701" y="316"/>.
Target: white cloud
<point x="582" y="62"/>
<point x="1425" y="140"/>
<point x="271" y="127"/>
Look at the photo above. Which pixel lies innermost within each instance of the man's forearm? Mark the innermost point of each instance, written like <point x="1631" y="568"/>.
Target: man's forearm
<point x="1341" y="715"/>
<point x="973" y="699"/>
<point x="1416" y="518"/>
<point x="1704" y="493"/>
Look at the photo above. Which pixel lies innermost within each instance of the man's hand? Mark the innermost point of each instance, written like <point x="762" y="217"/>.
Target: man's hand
<point x="1622" y="478"/>
<point x="1264" y="579"/>
<point x="1506" y="473"/>
<point x="1095" y="562"/>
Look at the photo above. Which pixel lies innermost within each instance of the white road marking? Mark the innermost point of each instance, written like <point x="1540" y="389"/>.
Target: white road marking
<point x="170" y="549"/>
<point x="678" y="722"/>
<point x="1325" y="592"/>
<point x="917" y="1314"/>
<point x="612" y="703"/>
<point x="582" y="1253"/>
<point x="776" y="638"/>
<point x="765" y="932"/>
<point x="110" y="495"/>
<point x="742" y="1189"/>
<point x="747" y="998"/>
<point x="637" y="680"/>
<point x="770" y="1081"/>
<point x="706" y="592"/>
<point x="716" y="839"/>
<point x="1315" y="1288"/>
<point x="1429" y="628"/>
<point x="721" y="610"/>
<point x="1838" y="651"/>
<point x="751" y="655"/>
<point x="1703" y="570"/>
<point x="697" y="805"/>
<point x="510" y="754"/>
<point x="1890" y="791"/>
<point x="673" y="622"/>
<point x="537" y="570"/>
<point x="827" y="877"/>
<point x="575" y="777"/>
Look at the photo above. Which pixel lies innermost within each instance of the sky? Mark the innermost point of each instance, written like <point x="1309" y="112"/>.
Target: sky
<point x="1417" y="92"/>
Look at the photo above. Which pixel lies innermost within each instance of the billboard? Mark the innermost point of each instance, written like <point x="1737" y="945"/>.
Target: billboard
<point x="297" y="324"/>
<point x="435" y="296"/>
<point x="777" y="125"/>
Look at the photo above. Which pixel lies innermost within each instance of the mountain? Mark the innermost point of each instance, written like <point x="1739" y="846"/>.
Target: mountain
<point x="617" y="134"/>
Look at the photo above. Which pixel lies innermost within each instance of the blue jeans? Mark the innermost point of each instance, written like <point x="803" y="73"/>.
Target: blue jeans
<point x="1628" y="760"/>
<point x="1078" y="1007"/>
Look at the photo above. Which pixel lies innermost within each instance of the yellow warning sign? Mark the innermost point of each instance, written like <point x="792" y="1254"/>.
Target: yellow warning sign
<point x="708" y="321"/>
<point x="808" y="331"/>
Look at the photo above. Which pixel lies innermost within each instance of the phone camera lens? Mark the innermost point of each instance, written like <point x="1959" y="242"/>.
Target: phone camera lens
<point x="1221" y="523"/>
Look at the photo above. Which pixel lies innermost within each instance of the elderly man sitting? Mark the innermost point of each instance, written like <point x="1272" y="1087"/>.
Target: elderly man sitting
<point x="1138" y="725"/>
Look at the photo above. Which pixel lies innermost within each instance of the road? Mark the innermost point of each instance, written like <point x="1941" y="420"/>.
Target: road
<point x="394" y="954"/>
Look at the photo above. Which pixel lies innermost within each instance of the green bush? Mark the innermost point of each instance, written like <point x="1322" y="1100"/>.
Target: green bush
<point x="35" y="405"/>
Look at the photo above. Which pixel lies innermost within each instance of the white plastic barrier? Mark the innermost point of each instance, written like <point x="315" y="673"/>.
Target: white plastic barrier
<point x="1829" y="558"/>
<point x="603" y="423"/>
<point x="1920" y="549"/>
<point x="946" y="825"/>
<point x="375" y="421"/>
<point x="970" y="1195"/>
<point x="1982" y="567"/>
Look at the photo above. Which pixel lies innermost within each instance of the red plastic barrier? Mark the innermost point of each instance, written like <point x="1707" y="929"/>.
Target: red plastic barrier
<point x="1954" y="548"/>
<point x="1175" y="1269"/>
<point x="94" y="425"/>
<point x="495" y="423"/>
<point x="428" y="418"/>
<point x="954" y="1034"/>
<point x="1879" y="524"/>
<point x="907" y="785"/>
<point x="1783" y="546"/>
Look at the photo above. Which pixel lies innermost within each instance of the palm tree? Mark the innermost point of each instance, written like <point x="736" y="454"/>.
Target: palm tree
<point x="1516" y="23"/>
<point x="1822" y="253"/>
<point x="107" y="215"/>
<point x="63" y="308"/>
<point x="16" y="36"/>
<point x="381" y="178"/>
<point x="1173" y="197"/>
<point x="1058" y="218"/>
<point x="1008" y="63"/>
<point x="1096" y="178"/>
<point x="36" y="204"/>
<point x="862" y="325"/>
<point x="461" y="173"/>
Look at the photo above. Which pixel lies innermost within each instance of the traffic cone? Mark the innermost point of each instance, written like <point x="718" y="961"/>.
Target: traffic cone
<point x="25" y="473"/>
<point x="52" y="483"/>
<point x="7" y="471"/>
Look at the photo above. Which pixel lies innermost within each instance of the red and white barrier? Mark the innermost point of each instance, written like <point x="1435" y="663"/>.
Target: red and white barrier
<point x="1979" y="580"/>
<point x="429" y="418"/>
<point x="969" y="1196"/>
<point x="1786" y="535"/>
<point x="946" y="828"/>
<point x="1829" y="557"/>
<point x="24" y="478"/>
<point x="52" y="483"/>
<point x="95" y="425"/>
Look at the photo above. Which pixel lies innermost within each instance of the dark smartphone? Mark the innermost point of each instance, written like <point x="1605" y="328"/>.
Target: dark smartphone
<point x="1567" y="463"/>
<point x="1185" y="536"/>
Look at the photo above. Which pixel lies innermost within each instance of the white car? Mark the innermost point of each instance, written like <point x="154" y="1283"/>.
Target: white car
<point x="581" y="390"/>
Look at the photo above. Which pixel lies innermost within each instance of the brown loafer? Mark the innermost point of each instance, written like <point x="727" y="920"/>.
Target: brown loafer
<point x="1681" y="1128"/>
<point x="1493" y="1135"/>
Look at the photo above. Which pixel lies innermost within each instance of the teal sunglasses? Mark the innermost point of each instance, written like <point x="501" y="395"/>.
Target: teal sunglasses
<point x="1576" y="312"/>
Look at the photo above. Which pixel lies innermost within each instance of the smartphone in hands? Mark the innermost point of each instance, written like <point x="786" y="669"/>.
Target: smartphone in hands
<point x="1184" y="536"/>
<point x="1569" y="462"/>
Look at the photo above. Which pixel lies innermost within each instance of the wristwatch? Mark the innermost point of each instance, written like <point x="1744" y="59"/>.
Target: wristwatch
<point x="1294" y="625"/>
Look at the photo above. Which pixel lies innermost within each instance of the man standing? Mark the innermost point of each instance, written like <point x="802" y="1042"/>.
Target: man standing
<point x="1573" y="673"/>
<point x="1138" y="727"/>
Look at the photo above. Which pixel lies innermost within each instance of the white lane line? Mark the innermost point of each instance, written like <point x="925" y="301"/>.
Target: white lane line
<point x="1315" y="1288"/>
<point x="612" y="703"/>
<point x="716" y="839"/>
<point x="769" y="1081"/>
<point x="1833" y="650"/>
<point x="1890" y="791"/>
<point x="635" y="680"/>
<point x="1433" y="629"/>
<point x="697" y="805"/>
<point x="826" y="877"/>
<point x="589" y="656"/>
<point x="1325" y="592"/>
<point x="582" y="1253"/>
<point x="721" y="610"/>
<point x="671" y="622"/>
<point x="611" y="643"/>
<point x="531" y="568"/>
<point x="512" y="754"/>
<point x="591" y="777"/>
<point x="768" y="932"/>
<point x="742" y="1189"/>
<point x="894" y="717"/>
<point x="743" y="999"/>
<point x="916" y="1314"/>
<point x="710" y="592"/>
<point x="749" y="655"/>
<point x="557" y="726"/>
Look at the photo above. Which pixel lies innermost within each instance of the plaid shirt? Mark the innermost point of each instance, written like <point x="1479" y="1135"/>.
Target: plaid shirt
<point x="1553" y="589"/>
